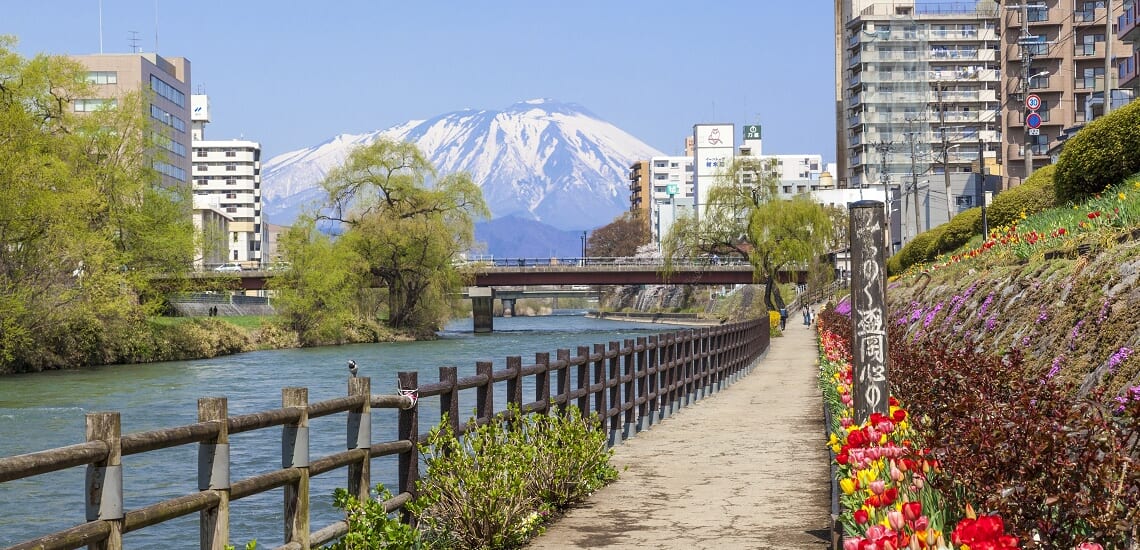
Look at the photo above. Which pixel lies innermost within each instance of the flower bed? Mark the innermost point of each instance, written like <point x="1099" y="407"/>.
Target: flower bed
<point x="1056" y="471"/>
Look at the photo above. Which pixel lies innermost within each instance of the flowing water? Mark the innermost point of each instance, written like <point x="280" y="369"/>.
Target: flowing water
<point x="46" y="410"/>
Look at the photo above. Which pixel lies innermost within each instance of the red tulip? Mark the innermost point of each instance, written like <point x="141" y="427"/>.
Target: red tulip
<point x="912" y="510"/>
<point x="861" y="516"/>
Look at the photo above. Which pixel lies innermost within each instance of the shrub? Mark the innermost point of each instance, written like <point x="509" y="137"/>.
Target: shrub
<point x="494" y="487"/>
<point x="1034" y="196"/>
<point x="370" y="526"/>
<point x="1102" y="154"/>
<point x="958" y="231"/>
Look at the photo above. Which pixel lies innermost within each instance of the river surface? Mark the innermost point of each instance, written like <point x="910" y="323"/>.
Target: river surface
<point x="46" y="410"/>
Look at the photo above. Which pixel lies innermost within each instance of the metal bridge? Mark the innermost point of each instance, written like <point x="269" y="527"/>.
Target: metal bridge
<point x="567" y="272"/>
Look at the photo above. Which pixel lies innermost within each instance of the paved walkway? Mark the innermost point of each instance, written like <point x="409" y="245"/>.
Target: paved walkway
<point x="743" y="468"/>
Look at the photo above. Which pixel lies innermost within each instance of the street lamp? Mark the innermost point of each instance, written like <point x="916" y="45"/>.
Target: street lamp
<point x="583" y="247"/>
<point x="1028" y="148"/>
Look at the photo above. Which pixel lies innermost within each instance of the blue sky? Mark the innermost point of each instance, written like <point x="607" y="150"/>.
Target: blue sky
<point x="293" y="74"/>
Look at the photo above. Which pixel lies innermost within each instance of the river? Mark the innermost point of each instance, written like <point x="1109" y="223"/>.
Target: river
<point x="46" y="410"/>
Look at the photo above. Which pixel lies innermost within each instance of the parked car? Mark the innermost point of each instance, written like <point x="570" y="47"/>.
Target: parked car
<point x="228" y="267"/>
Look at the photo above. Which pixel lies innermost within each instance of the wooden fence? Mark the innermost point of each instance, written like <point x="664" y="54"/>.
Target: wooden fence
<point x="631" y="385"/>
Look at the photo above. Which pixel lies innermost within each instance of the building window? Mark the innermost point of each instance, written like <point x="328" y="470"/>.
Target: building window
<point x="90" y="105"/>
<point x="964" y="202"/>
<point x="203" y="181"/>
<point x="200" y="153"/>
<point x="103" y="77"/>
<point x="163" y="89"/>
<point x="231" y="182"/>
<point x="200" y="167"/>
<point x="231" y="195"/>
<point x="1038" y="13"/>
<point x="231" y="167"/>
<point x="231" y="153"/>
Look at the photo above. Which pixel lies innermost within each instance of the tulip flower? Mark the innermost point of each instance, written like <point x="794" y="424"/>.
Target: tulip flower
<point x="896" y="520"/>
<point x="861" y="516"/>
<point x="912" y="510"/>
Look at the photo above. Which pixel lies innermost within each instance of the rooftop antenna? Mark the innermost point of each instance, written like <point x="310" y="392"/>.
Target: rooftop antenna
<point x="133" y="41"/>
<point x="155" y="26"/>
<point x="100" y="26"/>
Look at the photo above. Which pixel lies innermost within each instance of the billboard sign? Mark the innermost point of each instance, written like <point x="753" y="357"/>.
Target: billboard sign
<point x="752" y="131"/>
<point x="714" y="136"/>
<point x="199" y="108"/>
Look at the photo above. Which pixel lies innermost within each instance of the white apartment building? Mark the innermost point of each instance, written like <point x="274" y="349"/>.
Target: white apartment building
<point x="670" y="192"/>
<point x="227" y="179"/>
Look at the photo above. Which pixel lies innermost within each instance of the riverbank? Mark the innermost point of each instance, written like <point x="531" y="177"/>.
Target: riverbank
<point x="690" y="319"/>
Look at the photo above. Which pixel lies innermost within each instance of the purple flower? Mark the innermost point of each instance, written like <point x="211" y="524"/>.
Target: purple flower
<point x="1043" y="315"/>
<point x="1073" y="334"/>
<point x="1056" y="367"/>
<point x="844" y="307"/>
<point x="1103" y="315"/>
<point x="990" y="322"/>
<point x="985" y="304"/>
<point x="932" y="314"/>
<point x="1118" y="358"/>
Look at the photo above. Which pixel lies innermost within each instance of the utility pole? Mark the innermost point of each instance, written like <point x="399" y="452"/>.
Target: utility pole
<point x="982" y="185"/>
<point x="1025" y="41"/>
<point x="914" y="183"/>
<point x="1107" y="56"/>
<point x="883" y="148"/>
<point x="945" y="151"/>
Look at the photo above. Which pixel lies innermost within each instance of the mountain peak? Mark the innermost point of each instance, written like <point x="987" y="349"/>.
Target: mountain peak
<point x="569" y="170"/>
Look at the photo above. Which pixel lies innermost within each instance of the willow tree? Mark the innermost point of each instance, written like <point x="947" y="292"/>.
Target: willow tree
<point x="407" y="225"/>
<point x="744" y="216"/>
<point x="84" y="223"/>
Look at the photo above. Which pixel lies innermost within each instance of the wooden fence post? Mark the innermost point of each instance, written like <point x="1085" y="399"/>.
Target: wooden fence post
<point x="449" y="398"/>
<point x="868" y="309"/>
<point x="214" y="475"/>
<point x="629" y="355"/>
<point x="583" y="376"/>
<point x="667" y="375"/>
<point x="653" y="369"/>
<point x="613" y="384"/>
<point x="295" y="454"/>
<point x="600" y="378"/>
<point x="409" y="430"/>
<point x="542" y="381"/>
<point x="692" y="364"/>
<point x="104" y="485"/>
<point x="359" y="436"/>
<point x="485" y="399"/>
<point x="641" y="368"/>
<point x="564" y="380"/>
<point x="514" y="383"/>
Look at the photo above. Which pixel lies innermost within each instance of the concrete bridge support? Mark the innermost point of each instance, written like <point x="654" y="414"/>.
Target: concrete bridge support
<point x="482" y="308"/>
<point x="508" y="307"/>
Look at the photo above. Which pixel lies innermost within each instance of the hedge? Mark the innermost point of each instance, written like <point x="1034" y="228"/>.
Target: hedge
<point x="1033" y="196"/>
<point x="1102" y="154"/>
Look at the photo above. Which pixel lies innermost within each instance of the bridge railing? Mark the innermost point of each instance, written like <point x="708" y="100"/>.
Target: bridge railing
<point x="630" y="385"/>
<point x="604" y="262"/>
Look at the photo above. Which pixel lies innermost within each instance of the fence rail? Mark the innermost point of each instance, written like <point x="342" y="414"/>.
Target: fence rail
<point x="631" y="386"/>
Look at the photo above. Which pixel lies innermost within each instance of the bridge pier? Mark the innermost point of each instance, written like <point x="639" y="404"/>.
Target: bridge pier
<point x="482" y="309"/>
<point x="508" y="307"/>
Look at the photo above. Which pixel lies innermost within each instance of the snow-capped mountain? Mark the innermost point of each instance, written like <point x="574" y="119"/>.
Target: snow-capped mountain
<point x="541" y="159"/>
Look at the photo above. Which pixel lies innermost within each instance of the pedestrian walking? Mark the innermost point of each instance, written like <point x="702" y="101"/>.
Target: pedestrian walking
<point x="807" y="320"/>
<point x="783" y="318"/>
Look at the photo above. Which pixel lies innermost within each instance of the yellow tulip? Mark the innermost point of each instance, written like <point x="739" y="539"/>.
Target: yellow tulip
<point x="1121" y="196"/>
<point x="847" y="485"/>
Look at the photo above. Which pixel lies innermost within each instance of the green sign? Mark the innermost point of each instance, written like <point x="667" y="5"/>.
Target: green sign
<point x="752" y="131"/>
<point x="671" y="189"/>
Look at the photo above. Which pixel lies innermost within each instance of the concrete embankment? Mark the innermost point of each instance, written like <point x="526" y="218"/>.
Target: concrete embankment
<point x="690" y="319"/>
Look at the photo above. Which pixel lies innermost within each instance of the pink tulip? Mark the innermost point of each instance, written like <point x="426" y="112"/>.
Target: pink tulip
<point x="895" y="518"/>
<point x="851" y="543"/>
<point x="896" y="474"/>
<point x="922" y="523"/>
<point x="878" y="486"/>
<point x="1090" y="546"/>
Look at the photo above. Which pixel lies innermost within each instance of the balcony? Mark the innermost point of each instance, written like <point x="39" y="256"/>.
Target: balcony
<point x="1082" y="18"/>
<point x="1126" y="27"/>
<point x="1126" y="71"/>
<point x="1089" y="50"/>
<point x="1089" y="83"/>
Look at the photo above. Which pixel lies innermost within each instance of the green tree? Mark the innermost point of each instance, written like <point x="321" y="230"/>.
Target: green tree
<point x="745" y="216"/>
<point x="84" y="225"/>
<point x="405" y="226"/>
<point x="317" y="296"/>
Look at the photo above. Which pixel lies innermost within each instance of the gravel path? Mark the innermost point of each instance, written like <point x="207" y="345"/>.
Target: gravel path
<point x="743" y="468"/>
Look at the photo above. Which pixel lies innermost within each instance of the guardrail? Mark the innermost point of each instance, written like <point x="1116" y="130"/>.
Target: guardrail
<point x="631" y="385"/>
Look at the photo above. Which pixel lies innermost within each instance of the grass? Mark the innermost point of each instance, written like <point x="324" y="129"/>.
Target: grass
<point x="248" y="322"/>
<point x="1096" y="221"/>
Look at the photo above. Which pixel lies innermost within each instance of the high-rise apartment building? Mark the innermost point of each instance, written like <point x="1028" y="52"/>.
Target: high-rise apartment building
<point x="920" y="89"/>
<point x="670" y="184"/>
<point x="1057" y="51"/>
<point x="639" y="187"/>
<point x="1128" y="31"/>
<point x="165" y="83"/>
<point x="227" y="179"/>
